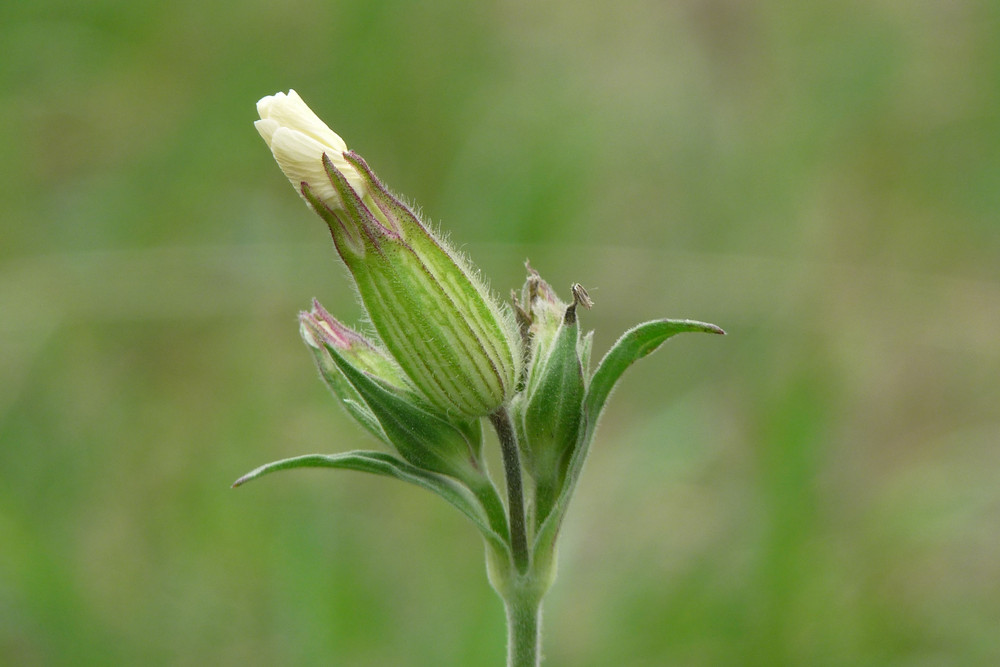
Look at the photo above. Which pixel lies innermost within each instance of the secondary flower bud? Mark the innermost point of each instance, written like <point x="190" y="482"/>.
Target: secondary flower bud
<point x="374" y="391"/>
<point x="439" y="323"/>
<point x="320" y="329"/>
<point x="550" y="409"/>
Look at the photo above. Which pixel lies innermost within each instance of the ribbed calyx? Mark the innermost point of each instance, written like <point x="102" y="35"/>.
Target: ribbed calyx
<point x="457" y="346"/>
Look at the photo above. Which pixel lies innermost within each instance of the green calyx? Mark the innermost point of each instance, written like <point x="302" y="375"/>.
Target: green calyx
<point x="455" y="344"/>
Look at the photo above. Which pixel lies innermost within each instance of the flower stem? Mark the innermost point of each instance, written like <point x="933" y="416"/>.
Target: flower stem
<point x="524" y="626"/>
<point x="515" y="492"/>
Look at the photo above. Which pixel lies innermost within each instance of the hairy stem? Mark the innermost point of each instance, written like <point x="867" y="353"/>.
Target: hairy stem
<point x="524" y="626"/>
<point x="515" y="491"/>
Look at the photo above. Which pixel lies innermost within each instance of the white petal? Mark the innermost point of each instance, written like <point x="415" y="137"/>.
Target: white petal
<point x="301" y="158"/>
<point x="266" y="127"/>
<point x="264" y="104"/>
<point x="290" y="111"/>
<point x="298" y="139"/>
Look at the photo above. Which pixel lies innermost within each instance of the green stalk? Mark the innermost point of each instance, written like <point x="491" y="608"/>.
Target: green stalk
<point x="524" y="627"/>
<point x="516" y="578"/>
<point x="515" y="492"/>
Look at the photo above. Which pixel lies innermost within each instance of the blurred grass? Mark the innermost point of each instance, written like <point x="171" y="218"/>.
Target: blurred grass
<point x="820" y="179"/>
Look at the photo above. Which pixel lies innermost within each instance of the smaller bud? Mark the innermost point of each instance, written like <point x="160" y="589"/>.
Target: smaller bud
<point x="540" y="315"/>
<point x="549" y="412"/>
<point x="376" y="393"/>
<point x="321" y="331"/>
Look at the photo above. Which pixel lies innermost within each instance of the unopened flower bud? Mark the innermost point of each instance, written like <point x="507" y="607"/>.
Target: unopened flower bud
<point x="439" y="323"/>
<point x="375" y="392"/>
<point x="319" y="329"/>
<point x="550" y="409"/>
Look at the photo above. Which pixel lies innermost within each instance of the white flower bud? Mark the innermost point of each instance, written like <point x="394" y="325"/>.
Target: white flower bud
<point x="298" y="139"/>
<point x="439" y="323"/>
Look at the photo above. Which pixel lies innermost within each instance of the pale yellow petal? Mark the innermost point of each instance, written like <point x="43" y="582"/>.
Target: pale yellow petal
<point x="298" y="139"/>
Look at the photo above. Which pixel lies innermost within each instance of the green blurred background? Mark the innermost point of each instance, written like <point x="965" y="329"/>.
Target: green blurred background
<point x="822" y="179"/>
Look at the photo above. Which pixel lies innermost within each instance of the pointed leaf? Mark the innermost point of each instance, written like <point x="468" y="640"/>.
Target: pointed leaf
<point x="634" y="344"/>
<point x="387" y="465"/>
<point x="421" y="437"/>
<point x="552" y="408"/>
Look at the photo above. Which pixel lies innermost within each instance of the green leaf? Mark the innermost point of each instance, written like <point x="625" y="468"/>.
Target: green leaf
<point x="634" y="344"/>
<point x="421" y="437"/>
<point x="552" y="409"/>
<point x="387" y="465"/>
